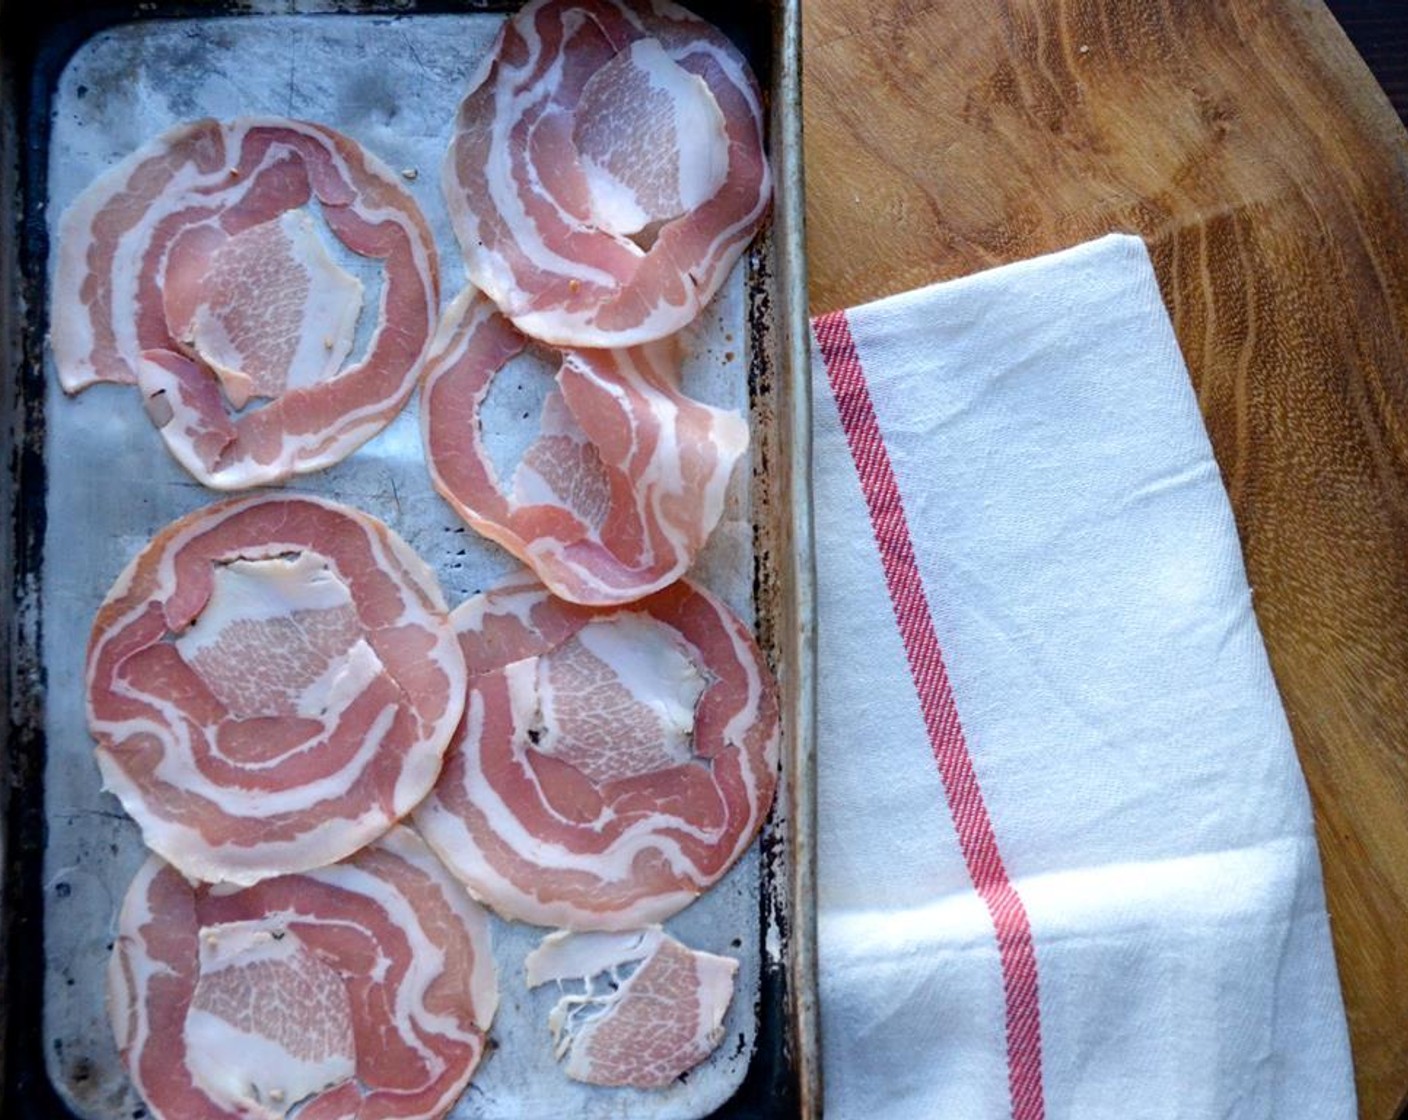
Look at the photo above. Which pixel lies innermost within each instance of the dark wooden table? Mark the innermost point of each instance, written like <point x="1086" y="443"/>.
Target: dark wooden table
<point x="1379" y="31"/>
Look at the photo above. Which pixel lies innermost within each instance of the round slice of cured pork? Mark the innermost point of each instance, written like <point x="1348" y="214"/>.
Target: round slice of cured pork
<point x="361" y="989"/>
<point x="196" y="270"/>
<point x="272" y="682"/>
<point x="612" y="763"/>
<point x="607" y="169"/>
<point x="625" y="480"/>
<point x="643" y="1028"/>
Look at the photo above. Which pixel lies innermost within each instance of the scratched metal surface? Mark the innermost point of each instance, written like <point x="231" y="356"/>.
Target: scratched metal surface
<point x="392" y="84"/>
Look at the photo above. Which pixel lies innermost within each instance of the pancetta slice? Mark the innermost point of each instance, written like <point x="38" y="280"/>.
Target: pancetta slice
<point x="196" y="270"/>
<point x="641" y="1029"/>
<point x="625" y="481"/>
<point x="612" y="764"/>
<point x="267" y="310"/>
<point x="272" y="682"/>
<point x="607" y="170"/>
<point x="361" y="989"/>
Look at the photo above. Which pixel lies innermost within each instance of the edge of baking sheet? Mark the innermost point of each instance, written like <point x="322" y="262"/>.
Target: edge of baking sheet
<point x="800" y="645"/>
<point x="801" y="688"/>
<point x="28" y="68"/>
<point x="22" y="508"/>
<point x="9" y="369"/>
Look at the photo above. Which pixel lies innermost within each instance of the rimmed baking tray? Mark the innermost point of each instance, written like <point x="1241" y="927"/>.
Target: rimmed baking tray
<point x="87" y="483"/>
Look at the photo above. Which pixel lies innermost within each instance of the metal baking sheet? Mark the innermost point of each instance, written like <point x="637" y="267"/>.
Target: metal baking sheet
<point x="392" y="82"/>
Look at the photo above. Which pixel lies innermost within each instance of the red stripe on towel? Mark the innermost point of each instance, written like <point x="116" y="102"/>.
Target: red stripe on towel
<point x="926" y="666"/>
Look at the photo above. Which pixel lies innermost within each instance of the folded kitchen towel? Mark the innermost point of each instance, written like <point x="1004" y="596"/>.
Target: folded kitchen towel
<point x="1067" y="861"/>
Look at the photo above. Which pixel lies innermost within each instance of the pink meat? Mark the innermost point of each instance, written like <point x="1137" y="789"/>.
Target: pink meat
<point x="364" y="989"/>
<point x="551" y="816"/>
<point x="625" y="482"/>
<point x="272" y="683"/>
<point x="607" y="170"/>
<point x="644" y="1030"/>
<point x="155" y="286"/>
<point x="267" y="309"/>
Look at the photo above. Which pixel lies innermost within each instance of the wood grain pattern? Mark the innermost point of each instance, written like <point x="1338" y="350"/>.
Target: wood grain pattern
<point x="1247" y="143"/>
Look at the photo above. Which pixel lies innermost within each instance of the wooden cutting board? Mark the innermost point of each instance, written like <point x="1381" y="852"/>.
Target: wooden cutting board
<point x="1246" y="141"/>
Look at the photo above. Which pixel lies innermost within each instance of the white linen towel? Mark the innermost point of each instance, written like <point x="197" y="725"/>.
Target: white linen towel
<point x="1067" y="865"/>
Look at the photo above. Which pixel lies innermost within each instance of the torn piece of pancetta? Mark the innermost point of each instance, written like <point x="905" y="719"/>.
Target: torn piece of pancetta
<point x="361" y="989"/>
<point x="625" y="481"/>
<point x="195" y="270"/>
<point x="607" y="169"/>
<point x="612" y="764"/>
<point x="272" y="682"/>
<point x="643" y="1029"/>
